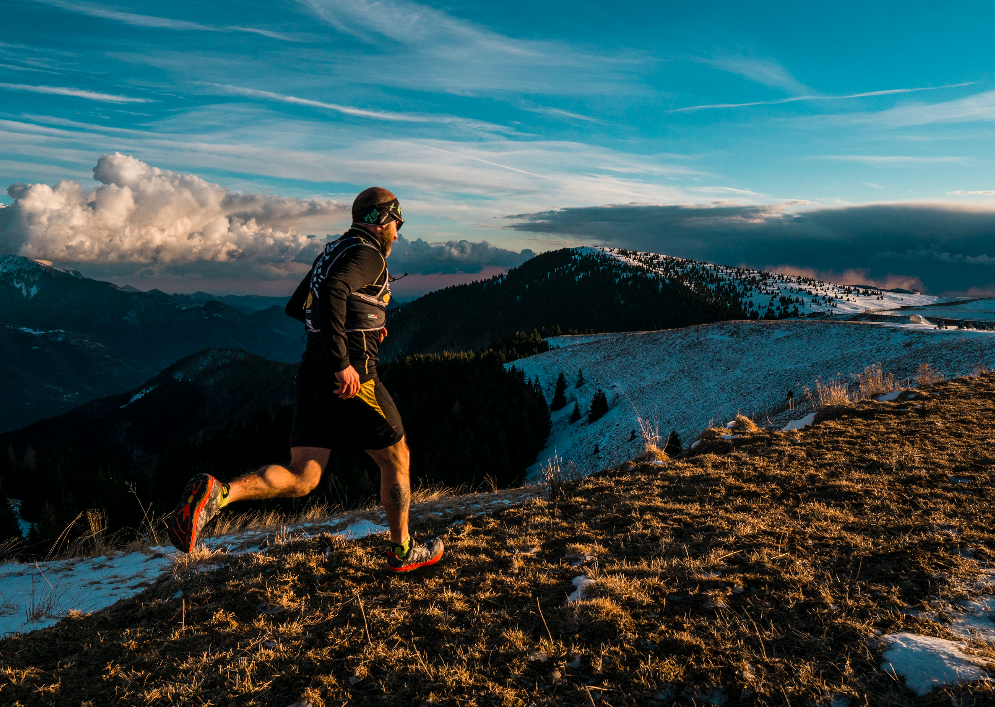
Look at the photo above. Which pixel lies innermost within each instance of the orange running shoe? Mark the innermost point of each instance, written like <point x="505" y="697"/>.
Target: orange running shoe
<point x="420" y="555"/>
<point x="198" y="505"/>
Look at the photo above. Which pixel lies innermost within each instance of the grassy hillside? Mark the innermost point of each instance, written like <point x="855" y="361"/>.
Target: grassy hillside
<point x="763" y="572"/>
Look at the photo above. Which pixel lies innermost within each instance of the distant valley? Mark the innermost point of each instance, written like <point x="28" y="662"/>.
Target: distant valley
<point x="67" y="339"/>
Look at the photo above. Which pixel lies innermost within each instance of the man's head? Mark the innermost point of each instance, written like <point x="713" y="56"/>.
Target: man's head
<point x="378" y="212"/>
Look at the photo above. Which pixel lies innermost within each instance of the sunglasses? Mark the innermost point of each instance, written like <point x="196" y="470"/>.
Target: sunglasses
<point x="390" y="212"/>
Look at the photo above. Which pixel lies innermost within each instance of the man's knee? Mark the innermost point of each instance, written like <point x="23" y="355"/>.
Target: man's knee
<point x="307" y="475"/>
<point x="393" y="458"/>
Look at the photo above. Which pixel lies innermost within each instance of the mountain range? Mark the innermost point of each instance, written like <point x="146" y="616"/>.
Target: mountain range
<point x="68" y="339"/>
<point x="609" y="290"/>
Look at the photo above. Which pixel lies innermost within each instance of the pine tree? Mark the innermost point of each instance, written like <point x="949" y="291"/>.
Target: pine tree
<point x="575" y="415"/>
<point x="580" y="379"/>
<point x="599" y="406"/>
<point x="673" y="447"/>
<point x="559" y="394"/>
<point x="45" y="531"/>
<point x="9" y="527"/>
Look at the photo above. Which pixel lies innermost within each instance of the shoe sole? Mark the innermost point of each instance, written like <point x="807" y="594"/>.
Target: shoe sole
<point x="195" y="516"/>
<point x="408" y="568"/>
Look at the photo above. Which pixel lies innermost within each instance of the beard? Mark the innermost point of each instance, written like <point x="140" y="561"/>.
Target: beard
<point x="386" y="237"/>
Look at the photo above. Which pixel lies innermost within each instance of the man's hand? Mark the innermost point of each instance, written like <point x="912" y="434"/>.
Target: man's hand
<point x="348" y="383"/>
<point x="383" y="333"/>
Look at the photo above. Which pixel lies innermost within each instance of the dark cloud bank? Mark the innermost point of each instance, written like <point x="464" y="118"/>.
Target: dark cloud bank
<point x="419" y="257"/>
<point x="949" y="250"/>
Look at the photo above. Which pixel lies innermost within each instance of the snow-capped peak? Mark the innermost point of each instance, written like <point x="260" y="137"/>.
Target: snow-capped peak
<point x="769" y="294"/>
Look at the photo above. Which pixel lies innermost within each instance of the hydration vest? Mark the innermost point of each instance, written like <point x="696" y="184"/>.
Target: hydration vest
<point x="365" y="309"/>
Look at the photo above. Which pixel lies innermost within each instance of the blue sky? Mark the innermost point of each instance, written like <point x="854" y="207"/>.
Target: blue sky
<point x="474" y="112"/>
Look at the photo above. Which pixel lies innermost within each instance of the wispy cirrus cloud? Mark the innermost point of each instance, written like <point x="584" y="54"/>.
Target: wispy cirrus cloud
<point x="359" y="112"/>
<point x="136" y="20"/>
<point x="977" y="108"/>
<point x="74" y="92"/>
<point x="265" y="33"/>
<point x="128" y="18"/>
<point x="762" y="71"/>
<point x="816" y="97"/>
<point x="434" y="50"/>
<point x="478" y="179"/>
<point x="977" y="193"/>
<point x="556" y="112"/>
<point x="886" y="160"/>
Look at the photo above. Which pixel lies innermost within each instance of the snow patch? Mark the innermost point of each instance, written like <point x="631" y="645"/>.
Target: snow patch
<point x="362" y="529"/>
<point x="800" y="424"/>
<point x="685" y="380"/>
<point x="926" y="662"/>
<point x="580" y="583"/>
<point x="138" y="395"/>
<point x="41" y="593"/>
<point x="889" y="396"/>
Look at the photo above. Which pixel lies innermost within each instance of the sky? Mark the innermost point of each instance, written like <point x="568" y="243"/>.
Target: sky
<point x="215" y="146"/>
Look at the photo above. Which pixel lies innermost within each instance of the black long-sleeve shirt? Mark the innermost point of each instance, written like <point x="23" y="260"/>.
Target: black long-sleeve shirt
<point x="357" y="268"/>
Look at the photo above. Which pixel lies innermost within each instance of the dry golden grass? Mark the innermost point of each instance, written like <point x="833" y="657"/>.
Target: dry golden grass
<point x="927" y="375"/>
<point x="650" y="432"/>
<point x="874" y="381"/>
<point x="743" y="424"/>
<point x="763" y="574"/>
<point x="830" y="394"/>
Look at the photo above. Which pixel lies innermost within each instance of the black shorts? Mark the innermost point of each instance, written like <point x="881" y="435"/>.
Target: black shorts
<point x="322" y="419"/>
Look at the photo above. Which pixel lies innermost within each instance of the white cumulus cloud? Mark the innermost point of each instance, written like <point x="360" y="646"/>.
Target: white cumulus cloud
<point x="143" y="214"/>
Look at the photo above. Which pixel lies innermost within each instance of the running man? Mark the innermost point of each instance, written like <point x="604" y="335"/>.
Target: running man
<point x="338" y="397"/>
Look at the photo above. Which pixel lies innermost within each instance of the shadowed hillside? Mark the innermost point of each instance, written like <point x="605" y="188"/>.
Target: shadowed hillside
<point x="468" y="421"/>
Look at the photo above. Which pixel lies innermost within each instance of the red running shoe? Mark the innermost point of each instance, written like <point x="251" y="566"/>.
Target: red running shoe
<point x="420" y="555"/>
<point x="198" y="505"/>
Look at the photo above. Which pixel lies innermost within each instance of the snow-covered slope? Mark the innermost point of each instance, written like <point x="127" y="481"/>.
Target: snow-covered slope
<point x="973" y="310"/>
<point x="685" y="379"/>
<point x="25" y="275"/>
<point x="767" y="292"/>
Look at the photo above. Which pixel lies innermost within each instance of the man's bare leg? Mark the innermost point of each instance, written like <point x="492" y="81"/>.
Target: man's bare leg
<point x="275" y="481"/>
<point x="395" y="487"/>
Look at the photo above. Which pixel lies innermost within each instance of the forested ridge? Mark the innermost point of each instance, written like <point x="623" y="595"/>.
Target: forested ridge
<point x="568" y="289"/>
